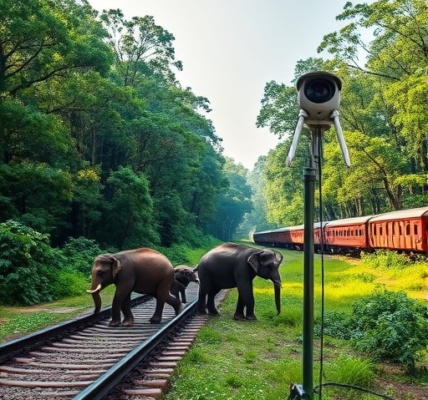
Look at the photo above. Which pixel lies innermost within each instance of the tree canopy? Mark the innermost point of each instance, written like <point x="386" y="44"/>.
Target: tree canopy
<point x="98" y="138"/>
<point x="383" y="114"/>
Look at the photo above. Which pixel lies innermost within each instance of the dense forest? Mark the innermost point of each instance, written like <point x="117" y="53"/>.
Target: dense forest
<point x="99" y="140"/>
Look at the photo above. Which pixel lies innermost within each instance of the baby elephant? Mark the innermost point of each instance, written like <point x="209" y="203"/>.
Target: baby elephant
<point x="183" y="276"/>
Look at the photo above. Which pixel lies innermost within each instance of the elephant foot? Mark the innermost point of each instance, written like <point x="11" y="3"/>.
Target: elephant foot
<point x="202" y="312"/>
<point x="114" y="323"/>
<point x="128" y="322"/>
<point x="155" y="320"/>
<point x="239" y="317"/>
<point x="251" y="318"/>
<point x="179" y="309"/>
<point x="213" y="312"/>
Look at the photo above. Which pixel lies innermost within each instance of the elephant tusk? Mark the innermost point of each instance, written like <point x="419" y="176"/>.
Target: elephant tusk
<point x="95" y="290"/>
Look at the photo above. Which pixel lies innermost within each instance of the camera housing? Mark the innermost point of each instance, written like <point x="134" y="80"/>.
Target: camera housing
<point x="319" y="95"/>
<point x="319" y="100"/>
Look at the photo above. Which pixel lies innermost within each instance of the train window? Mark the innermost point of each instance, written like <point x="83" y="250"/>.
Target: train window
<point x="400" y="230"/>
<point x="375" y="229"/>
<point x="380" y="230"/>
<point x="387" y="228"/>
<point x="361" y="232"/>
<point x="415" y="227"/>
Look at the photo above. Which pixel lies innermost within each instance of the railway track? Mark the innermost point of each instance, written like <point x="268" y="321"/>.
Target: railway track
<point x="87" y="359"/>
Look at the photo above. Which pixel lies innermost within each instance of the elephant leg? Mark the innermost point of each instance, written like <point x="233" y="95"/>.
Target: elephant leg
<point x="239" y="312"/>
<point x="115" y="311"/>
<point x="202" y="300"/>
<point x="122" y="293"/>
<point x="246" y="298"/>
<point x="183" y="296"/>
<point x="175" y="303"/>
<point x="163" y="296"/>
<point x="212" y="310"/>
<point x="128" y="319"/>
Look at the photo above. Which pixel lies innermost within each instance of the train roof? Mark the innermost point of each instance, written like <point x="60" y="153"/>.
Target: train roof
<point x="290" y="228"/>
<point x="349" y="221"/>
<point x="401" y="214"/>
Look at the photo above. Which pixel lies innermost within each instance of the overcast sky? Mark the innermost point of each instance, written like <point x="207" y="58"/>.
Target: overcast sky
<point x="231" y="48"/>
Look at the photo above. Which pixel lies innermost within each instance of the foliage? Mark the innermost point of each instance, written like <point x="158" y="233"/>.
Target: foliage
<point x="390" y="325"/>
<point x="234" y="201"/>
<point x="98" y="138"/>
<point x="351" y="370"/>
<point x="336" y="323"/>
<point x="177" y="254"/>
<point x="80" y="253"/>
<point x="386" y="325"/>
<point x="28" y="265"/>
<point x="380" y="56"/>
<point x="386" y="259"/>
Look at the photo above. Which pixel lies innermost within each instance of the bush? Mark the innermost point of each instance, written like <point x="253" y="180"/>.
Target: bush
<point x="80" y="254"/>
<point x="177" y="254"/>
<point x="389" y="325"/>
<point x="28" y="265"/>
<point x="69" y="283"/>
<point x="386" y="259"/>
<point x="337" y="324"/>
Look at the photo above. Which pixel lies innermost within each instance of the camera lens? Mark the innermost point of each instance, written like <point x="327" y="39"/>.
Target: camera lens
<point x="319" y="90"/>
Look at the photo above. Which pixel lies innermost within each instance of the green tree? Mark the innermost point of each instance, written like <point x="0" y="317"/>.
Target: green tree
<point x="233" y="202"/>
<point x="128" y="214"/>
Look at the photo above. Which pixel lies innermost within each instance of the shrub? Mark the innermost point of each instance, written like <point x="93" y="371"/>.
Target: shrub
<point x="386" y="259"/>
<point x="28" y="265"/>
<point x="177" y="254"/>
<point x="389" y="325"/>
<point x="69" y="283"/>
<point x="80" y="253"/>
<point x="337" y="324"/>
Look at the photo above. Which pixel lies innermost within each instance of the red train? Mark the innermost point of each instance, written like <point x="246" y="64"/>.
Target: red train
<point x="403" y="231"/>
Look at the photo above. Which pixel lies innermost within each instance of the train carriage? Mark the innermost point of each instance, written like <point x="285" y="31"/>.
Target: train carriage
<point x="404" y="230"/>
<point x="319" y="243"/>
<point x="347" y="235"/>
<point x="289" y="238"/>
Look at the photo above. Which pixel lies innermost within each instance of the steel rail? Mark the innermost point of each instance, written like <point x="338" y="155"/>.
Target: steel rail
<point x="111" y="378"/>
<point x="8" y="348"/>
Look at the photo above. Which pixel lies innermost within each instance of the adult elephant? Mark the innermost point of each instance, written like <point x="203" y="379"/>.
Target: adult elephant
<point x="141" y="270"/>
<point x="232" y="265"/>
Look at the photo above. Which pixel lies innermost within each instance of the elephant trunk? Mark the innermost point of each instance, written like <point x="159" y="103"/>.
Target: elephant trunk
<point x="97" y="302"/>
<point x="277" y="288"/>
<point x="96" y="297"/>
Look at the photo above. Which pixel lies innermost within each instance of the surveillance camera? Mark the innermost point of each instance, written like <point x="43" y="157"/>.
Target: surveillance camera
<point x="319" y="96"/>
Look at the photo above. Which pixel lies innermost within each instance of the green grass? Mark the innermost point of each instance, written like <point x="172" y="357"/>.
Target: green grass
<point x="260" y="359"/>
<point x="19" y="321"/>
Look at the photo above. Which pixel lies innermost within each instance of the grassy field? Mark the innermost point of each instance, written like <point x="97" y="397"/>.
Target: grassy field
<point x="260" y="359"/>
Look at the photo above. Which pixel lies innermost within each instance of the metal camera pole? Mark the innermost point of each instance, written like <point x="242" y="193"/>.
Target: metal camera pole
<point x="318" y="99"/>
<point x="309" y="174"/>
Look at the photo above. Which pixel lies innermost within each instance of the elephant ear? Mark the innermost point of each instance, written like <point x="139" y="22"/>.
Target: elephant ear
<point x="254" y="260"/>
<point x="280" y="257"/>
<point x="116" y="266"/>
